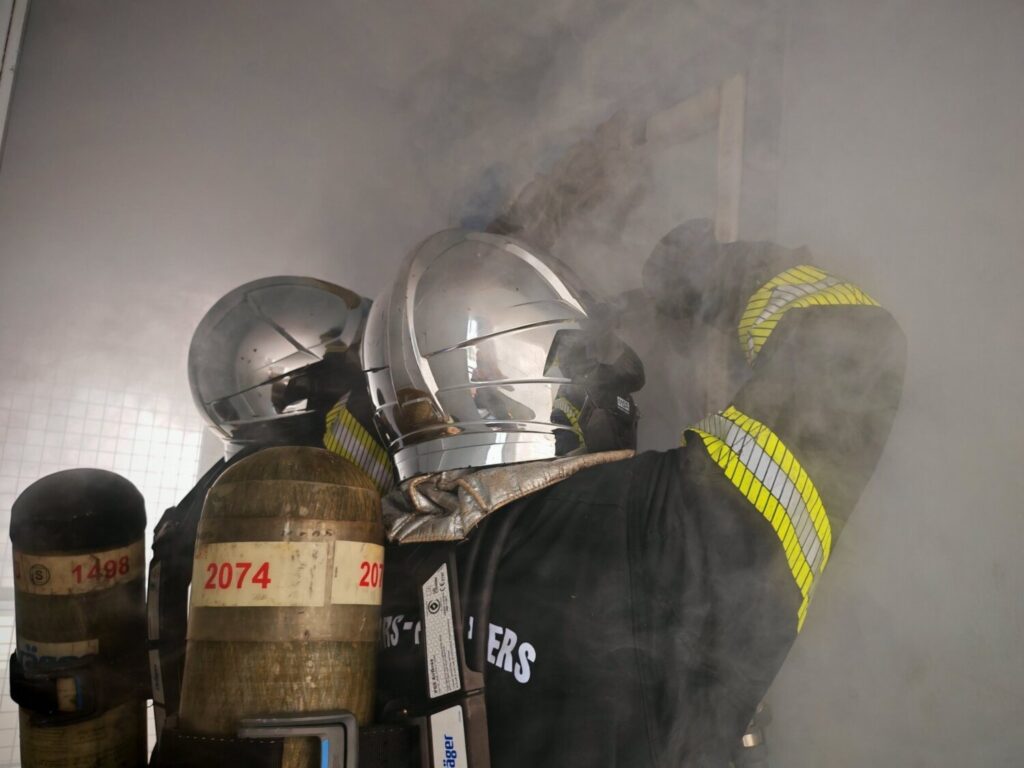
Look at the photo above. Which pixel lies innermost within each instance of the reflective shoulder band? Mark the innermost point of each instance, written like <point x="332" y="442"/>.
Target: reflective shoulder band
<point x="757" y="462"/>
<point x="348" y="438"/>
<point x="796" y="288"/>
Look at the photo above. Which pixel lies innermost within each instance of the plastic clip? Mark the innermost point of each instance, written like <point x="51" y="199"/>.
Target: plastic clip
<point x="67" y="692"/>
<point x="338" y="733"/>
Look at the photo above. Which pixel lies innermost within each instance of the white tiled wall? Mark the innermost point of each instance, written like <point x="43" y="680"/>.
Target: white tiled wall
<point x="47" y="425"/>
<point x="8" y="709"/>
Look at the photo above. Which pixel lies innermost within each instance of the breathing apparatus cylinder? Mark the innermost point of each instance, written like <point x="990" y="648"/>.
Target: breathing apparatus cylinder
<point x="286" y="593"/>
<point x="79" y="672"/>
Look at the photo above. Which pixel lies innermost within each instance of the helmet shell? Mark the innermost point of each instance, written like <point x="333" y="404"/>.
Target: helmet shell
<point x="256" y="339"/>
<point x="462" y="353"/>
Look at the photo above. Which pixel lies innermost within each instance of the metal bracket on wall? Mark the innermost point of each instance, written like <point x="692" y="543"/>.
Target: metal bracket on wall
<point x="12" y="27"/>
<point x="719" y="107"/>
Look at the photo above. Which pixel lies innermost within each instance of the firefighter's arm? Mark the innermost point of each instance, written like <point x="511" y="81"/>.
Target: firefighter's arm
<point x="802" y="435"/>
<point x="733" y="529"/>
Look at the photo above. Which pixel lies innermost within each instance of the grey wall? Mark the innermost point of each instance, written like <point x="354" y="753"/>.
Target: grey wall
<point x="161" y="153"/>
<point x="903" y="164"/>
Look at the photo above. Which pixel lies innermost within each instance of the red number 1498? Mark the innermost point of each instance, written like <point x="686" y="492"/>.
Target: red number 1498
<point x="108" y="570"/>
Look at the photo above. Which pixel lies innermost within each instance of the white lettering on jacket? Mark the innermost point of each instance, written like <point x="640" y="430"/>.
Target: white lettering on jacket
<point x="505" y="650"/>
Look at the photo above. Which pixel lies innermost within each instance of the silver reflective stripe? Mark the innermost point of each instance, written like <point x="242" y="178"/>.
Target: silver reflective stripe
<point x="774" y="479"/>
<point x="782" y="295"/>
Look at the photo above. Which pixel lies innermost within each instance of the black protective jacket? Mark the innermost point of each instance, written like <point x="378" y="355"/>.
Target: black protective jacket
<point x="638" y="611"/>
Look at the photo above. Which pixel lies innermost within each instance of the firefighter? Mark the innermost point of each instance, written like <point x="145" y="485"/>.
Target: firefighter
<point x="599" y="607"/>
<point x="273" y="363"/>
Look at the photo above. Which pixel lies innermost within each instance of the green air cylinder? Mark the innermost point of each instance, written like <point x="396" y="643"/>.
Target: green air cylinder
<point x="80" y="619"/>
<point x="286" y="593"/>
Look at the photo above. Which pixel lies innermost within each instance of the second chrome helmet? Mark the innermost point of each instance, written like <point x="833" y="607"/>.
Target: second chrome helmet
<point x="272" y="352"/>
<point x="485" y="352"/>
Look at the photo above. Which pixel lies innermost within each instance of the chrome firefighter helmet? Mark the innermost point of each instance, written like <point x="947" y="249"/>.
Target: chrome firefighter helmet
<point x="273" y="352"/>
<point x="485" y="352"/>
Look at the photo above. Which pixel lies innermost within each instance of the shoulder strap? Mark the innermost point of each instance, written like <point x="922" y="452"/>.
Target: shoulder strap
<point x="170" y="573"/>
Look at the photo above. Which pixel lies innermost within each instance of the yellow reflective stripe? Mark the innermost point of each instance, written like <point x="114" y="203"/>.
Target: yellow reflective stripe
<point x="781" y="456"/>
<point x="757" y="462"/>
<point x="796" y="288"/>
<point x="330" y="442"/>
<point x="346" y="437"/>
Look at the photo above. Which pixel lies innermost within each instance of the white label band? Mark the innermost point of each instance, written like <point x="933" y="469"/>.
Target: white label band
<point x="358" y="573"/>
<point x="439" y="635"/>
<point x="448" y="738"/>
<point x="267" y="573"/>
<point x="78" y="574"/>
<point x="285" y="573"/>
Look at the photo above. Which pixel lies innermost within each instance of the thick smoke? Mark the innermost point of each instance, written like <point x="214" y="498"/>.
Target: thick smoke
<point x="160" y="154"/>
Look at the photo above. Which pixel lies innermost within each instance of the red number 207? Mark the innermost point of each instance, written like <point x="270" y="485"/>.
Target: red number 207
<point x="372" y="574"/>
<point x="223" y="575"/>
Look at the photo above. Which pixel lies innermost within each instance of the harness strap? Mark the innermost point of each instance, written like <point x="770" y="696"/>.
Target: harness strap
<point x="380" y="746"/>
<point x="170" y="573"/>
<point x="75" y="690"/>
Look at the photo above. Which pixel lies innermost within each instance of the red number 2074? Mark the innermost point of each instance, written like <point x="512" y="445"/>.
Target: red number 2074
<point x="228" y="576"/>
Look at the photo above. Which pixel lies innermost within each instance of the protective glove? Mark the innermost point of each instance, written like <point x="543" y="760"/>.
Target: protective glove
<point x="700" y="289"/>
<point x="705" y="285"/>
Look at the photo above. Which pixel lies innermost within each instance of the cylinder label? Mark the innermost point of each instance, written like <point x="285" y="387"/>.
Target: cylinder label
<point x="33" y="652"/>
<point x="78" y="574"/>
<point x="287" y="573"/>
<point x="260" y="573"/>
<point x="358" y="573"/>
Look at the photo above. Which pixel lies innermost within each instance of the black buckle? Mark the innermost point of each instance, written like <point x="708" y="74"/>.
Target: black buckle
<point x="338" y="733"/>
<point x="43" y="691"/>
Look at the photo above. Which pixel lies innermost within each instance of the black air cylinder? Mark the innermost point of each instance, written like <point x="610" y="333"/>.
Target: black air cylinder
<point x="80" y="673"/>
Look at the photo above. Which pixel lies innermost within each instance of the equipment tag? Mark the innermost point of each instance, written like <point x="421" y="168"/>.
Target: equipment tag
<point x="358" y="573"/>
<point x="78" y="574"/>
<point x="439" y="635"/>
<point x="448" y="738"/>
<point x="260" y="573"/>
